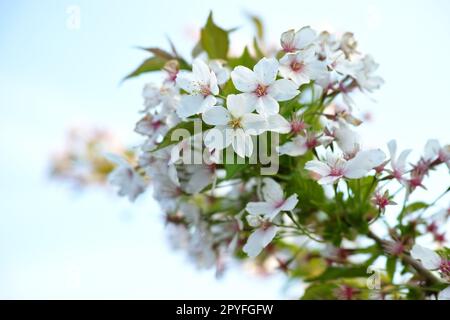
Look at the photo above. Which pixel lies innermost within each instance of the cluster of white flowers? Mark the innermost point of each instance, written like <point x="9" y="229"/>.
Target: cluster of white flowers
<point x="234" y="119"/>
<point x="209" y="210"/>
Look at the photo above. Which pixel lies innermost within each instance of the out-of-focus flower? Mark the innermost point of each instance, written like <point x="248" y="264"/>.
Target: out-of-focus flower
<point x="382" y="200"/>
<point x="335" y="167"/>
<point x="398" y="165"/>
<point x="365" y="74"/>
<point x="124" y="176"/>
<point x="431" y="260"/>
<point x="435" y="153"/>
<point x="292" y="40"/>
<point x="299" y="145"/>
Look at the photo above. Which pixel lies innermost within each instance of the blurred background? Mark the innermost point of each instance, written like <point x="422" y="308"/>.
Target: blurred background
<point x="57" y="73"/>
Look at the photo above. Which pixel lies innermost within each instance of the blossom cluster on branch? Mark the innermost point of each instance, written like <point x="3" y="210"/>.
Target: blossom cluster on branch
<point x="256" y="157"/>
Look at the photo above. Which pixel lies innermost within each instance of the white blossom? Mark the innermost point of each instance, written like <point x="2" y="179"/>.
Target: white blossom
<point x="201" y="86"/>
<point x="222" y="73"/>
<point x="429" y="259"/>
<point x="335" y="167"/>
<point x="434" y="151"/>
<point x="262" y="213"/>
<point x="398" y="164"/>
<point x="164" y="99"/>
<point x="233" y="126"/>
<point x="364" y="75"/>
<point x="260" y="87"/>
<point x="292" y="40"/>
<point x="130" y="183"/>
<point x="302" y="67"/>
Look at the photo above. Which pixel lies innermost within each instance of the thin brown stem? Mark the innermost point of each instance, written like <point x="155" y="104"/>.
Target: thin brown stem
<point x="429" y="277"/>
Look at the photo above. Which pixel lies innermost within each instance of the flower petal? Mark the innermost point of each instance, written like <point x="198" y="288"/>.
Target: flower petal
<point x="259" y="208"/>
<point x="216" y="116"/>
<point x="266" y="70"/>
<point x="244" y="79"/>
<point x="304" y="37"/>
<point x="290" y="203"/>
<point x="253" y="124"/>
<point x="283" y="90"/>
<point x="190" y="105"/>
<point x="272" y="191"/>
<point x="444" y="294"/>
<point x="240" y="104"/>
<point x="318" y="167"/>
<point x="266" y="105"/>
<point x="363" y="162"/>
<point x="218" y="138"/>
<point x="277" y="123"/>
<point x="430" y="259"/>
<point x="185" y="80"/>
<point x="201" y="71"/>
<point x="294" y="148"/>
<point x="258" y="240"/>
<point x="242" y="143"/>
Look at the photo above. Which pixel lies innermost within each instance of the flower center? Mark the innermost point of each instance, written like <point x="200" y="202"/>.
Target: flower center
<point x="297" y="66"/>
<point x="297" y="126"/>
<point x="279" y="204"/>
<point x="261" y="90"/>
<point x="205" y="91"/>
<point x="336" y="172"/>
<point x="156" y="124"/>
<point x="235" y="123"/>
<point x="445" y="267"/>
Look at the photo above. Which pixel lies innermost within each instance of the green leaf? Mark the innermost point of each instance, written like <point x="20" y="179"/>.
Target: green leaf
<point x="160" y="53"/>
<point x="391" y="264"/>
<point x="322" y="291"/>
<point x="214" y="40"/>
<point x="333" y="273"/>
<point x="151" y="64"/>
<point x="168" y="139"/>
<point x="232" y="169"/>
<point x="197" y="50"/>
<point x="413" y="207"/>
<point x="245" y="60"/>
<point x="259" y="26"/>
<point x="258" y="51"/>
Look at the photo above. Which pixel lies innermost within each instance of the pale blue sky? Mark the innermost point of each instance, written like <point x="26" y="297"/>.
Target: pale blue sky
<point x="57" y="244"/>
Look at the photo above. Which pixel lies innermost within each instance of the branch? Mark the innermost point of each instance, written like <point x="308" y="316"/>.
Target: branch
<point x="430" y="278"/>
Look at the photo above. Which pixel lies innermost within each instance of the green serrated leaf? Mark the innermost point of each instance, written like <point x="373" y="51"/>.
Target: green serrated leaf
<point x="214" y="40"/>
<point x="151" y="64"/>
<point x="161" y="53"/>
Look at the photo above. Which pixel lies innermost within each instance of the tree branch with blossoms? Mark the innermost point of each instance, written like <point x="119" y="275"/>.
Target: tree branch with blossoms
<point x="256" y="158"/>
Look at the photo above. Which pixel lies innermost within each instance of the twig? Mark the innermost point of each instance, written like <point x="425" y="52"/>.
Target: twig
<point x="430" y="278"/>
